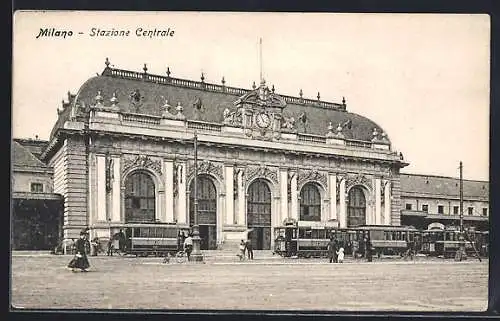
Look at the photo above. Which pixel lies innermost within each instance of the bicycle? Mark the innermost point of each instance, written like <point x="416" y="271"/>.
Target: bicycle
<point x="180" y="257"/>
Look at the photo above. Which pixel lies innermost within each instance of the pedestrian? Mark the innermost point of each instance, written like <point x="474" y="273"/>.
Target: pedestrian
<point x="340" y="255"/>
<point x="188" y="246"/>
<point x="80" y="260"/>
<point x="332" y="249"/>
<point x="95" y="246"/>
<point x="368" y="249"/>
<point x="355" y="248"/>
<point x="110" y="247"/>
<point x="180" y="240"/>
<point x="249" y="249"/>
<point x="241" y="250"/>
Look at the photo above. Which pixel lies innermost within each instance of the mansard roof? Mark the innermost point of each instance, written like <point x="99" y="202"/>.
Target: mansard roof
<point x="442" y="186"/>
<point x="146" y="94"/>
<point x="34" y="146"/>
<point x="22" y="157"/>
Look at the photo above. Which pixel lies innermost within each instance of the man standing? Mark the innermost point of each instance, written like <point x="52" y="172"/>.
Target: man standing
<point x="249" y="249"/>
<point x="368" y="249"/>
<point x="332" y="250"/>
<point x="188" y="246"/>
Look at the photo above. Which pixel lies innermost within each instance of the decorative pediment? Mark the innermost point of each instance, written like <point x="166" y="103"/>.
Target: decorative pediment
<point x="263" y="97"/>
<point x="358" y="179"/>
<point x="262" y="171"/>
<point x="306" y="176"/>
<point x="141" y="161"/>
<point x="206" y="167"/>
<point x="233" y="117"/>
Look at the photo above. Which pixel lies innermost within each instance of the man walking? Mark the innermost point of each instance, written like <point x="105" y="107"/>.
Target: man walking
<point x="332" y="250"/>
<point x="249" y="249"/>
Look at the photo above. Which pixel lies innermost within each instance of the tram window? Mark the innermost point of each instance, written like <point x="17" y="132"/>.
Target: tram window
<point x="315" y="234"/>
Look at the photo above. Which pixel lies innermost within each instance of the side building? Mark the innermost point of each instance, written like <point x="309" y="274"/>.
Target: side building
<point x="428" y="199"/>
<point x="36" y="212"/>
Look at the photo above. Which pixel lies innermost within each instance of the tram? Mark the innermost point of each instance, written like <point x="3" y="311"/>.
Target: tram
<point x="440" y="241"/>
<point x="152" y="239"/>
<point x="311" y="240"/>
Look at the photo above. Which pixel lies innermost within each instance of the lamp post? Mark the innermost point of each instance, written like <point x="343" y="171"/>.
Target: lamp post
<point x="196" y="255"/>
<point x="461" y="250"/>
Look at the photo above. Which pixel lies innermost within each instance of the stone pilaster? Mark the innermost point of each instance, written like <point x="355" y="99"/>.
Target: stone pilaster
<point x="378" y="202"/>
<point x="387" y="203"/>
<point x="294" y="197"/>
<point x="169" y="190"/>
<point x="343" y="203"/>
<point x="229" y="182"/>
<point x="182" y="215"/>
<point x="116" y="191"/>
<point x="101" y="188"/>
<point x="283" y="213"/>
<point x="332" y="188"/>
<point x="241" y="199"/>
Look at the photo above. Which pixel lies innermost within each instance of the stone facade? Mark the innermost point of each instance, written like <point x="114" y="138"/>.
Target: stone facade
<point x="97" y="145"/>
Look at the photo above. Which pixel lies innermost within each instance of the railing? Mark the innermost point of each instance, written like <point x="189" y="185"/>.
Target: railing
<point x="312" y="138"/>
<point x="358" y="143"/>
<point x="214" y="88"/>
<point x="142" y="119"/>
<point x="212" y="127"/>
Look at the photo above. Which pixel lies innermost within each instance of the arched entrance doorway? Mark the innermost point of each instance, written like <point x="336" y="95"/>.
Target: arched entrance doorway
<point x="207" y="211"/>
<point x="356" y="210"/>
<point x="310" y="203"/>
<point x="139" y="198"/>
<point x="259" y="215"/>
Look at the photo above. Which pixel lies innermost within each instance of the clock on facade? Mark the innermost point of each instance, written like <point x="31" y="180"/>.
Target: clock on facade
<point x="263" y="120"/>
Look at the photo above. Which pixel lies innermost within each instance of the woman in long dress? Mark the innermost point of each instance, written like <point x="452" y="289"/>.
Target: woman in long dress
<point x="80" y="260"/>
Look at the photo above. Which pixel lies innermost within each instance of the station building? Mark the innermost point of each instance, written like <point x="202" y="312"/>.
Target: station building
<point x="121" y="153"/>
<point x="36" y="220"/>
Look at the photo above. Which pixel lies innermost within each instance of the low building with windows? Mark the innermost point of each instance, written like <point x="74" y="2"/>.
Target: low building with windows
<point x="122" y="153"/>
<point x="428" y="199"/>
<point x="36" y="210"/>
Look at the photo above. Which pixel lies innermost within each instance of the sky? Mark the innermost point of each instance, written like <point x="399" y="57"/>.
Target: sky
<point x="424" y="78"/>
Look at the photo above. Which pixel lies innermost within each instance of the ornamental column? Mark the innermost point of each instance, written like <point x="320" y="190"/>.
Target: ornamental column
<point x="169" y="190"/>
<point x="387" y="203"/>
<point x="295" y="197"/>
<point x="181" y="204"/>
<point x="342" y="201"/>
<point x="116" y="190"/>
<point x="333" y="196"/>
<point x="378" y="202"/>
<point x="283" y="195"/>
<point x="101" y="188"/>
<point x="229" y="182"/>
<point x="241" y="198"/>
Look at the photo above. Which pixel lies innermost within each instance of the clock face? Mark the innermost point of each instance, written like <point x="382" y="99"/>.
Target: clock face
<point x="263" y="120"/>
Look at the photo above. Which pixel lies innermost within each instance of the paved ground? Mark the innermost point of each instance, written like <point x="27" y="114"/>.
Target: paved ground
<point x="274" y="284"/>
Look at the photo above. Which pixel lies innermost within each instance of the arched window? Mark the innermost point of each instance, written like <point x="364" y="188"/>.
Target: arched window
<point x="207" y="201"/>
<point x="310" y="203"/>
<point x="356" y="211"/>
<point x="259" y="215"/>
<point x="139" y="198"/>
<point x="259" y="204"/>
<point x="207" y="211"/>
